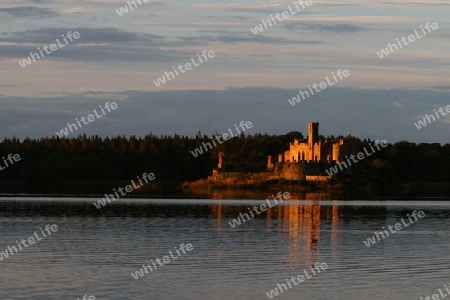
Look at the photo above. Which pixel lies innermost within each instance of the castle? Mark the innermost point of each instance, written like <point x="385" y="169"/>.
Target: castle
<point x="305" y="160"/>
<point x="314" y="150"/>
<point x="309" y="159"/>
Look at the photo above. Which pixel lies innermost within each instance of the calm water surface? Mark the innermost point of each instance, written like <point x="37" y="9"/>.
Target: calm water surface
<point x="95" y="251"/>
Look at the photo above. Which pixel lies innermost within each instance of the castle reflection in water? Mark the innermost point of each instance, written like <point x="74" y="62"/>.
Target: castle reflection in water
<point x="306" y="225"/>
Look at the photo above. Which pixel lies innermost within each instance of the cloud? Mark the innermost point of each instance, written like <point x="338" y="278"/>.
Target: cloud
<point x="28" y="11"/>
<point x="254" y="9"/>
<point x="402" y="2"/>
<point x="108" y="35"/>
<point x="77" y="10"/>
<point x="334" y="28"/>
<point x="233" y="39"/>
<point x="95" y="44"/>
<point x="100" y="44"/>
<point x="96" y="54"/>
<point x="37" y="1"/>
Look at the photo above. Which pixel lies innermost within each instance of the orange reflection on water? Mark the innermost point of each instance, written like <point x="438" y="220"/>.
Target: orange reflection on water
<point x="307" y="226"/>
<point x="302" y="224"/>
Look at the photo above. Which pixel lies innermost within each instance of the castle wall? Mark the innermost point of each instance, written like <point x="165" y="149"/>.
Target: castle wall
<point x="336" y="152"/>
<point x="317" y="178"/>
<point x="316" y="155"/>
<point x="318" y="152"/>
<point x="327" y="152"/>
<point x="314" y="171"/>
<point x="298" y="151"/>
<point x="290" y="171"/>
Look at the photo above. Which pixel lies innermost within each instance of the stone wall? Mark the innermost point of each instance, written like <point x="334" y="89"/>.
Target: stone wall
<point x="303" y="170"/>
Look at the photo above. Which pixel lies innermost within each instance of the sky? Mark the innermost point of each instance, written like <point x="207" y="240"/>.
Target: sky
<point x="250" y="78"/>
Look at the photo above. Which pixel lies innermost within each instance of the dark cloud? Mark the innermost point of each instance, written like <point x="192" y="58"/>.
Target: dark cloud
<point x="97" y="53"/>
<point x="335" y="28"/>
<point x="265" y="9"/>
<point x="111" y="44"/>
<point x="109" y="35"/>
<point x="39" y="1"/>
<point x="234" y="39"/>
<point x="114" y="44"/>
<point x="28" y="11"/>
<point x="227" y="17"/>
<point x="376" y="114"/>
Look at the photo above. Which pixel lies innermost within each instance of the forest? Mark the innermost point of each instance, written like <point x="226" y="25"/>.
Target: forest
<point x="53" y="159"/>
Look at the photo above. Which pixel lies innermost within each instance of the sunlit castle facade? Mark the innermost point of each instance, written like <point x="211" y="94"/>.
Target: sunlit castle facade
<point x="315" y="150"/>
<point x="305" y="160"/>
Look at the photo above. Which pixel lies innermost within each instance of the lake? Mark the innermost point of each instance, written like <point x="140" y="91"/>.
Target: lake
<point x="96" y="251"/>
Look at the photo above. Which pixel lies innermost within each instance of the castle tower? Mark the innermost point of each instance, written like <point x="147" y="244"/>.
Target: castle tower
<point x="313" y="137"/>
<point x="313" y="132"/>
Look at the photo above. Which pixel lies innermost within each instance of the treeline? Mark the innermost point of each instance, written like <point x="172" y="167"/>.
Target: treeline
<point x="400" y="162"/>
<point x="170" y="158"/>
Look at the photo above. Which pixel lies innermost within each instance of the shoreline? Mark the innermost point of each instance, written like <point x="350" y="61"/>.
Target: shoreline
<point x="194" y="189"/>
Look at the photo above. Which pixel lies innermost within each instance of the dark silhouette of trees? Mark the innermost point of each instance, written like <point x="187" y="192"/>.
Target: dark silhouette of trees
<point x="170" y="158"/>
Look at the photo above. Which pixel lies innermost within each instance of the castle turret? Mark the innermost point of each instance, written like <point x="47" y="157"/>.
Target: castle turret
<point x="336" y="152"/>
